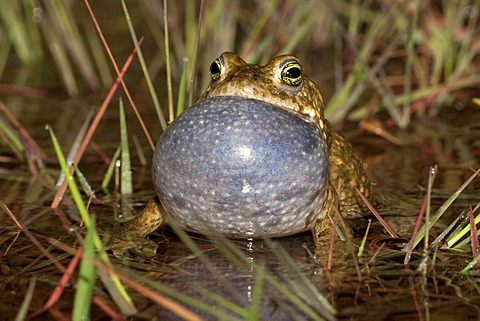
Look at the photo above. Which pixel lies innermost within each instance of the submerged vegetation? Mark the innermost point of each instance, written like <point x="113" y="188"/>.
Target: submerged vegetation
<point x="396" y="68"/>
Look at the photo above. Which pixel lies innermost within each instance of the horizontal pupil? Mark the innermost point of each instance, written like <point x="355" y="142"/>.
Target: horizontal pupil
<point x="293" y="72"/>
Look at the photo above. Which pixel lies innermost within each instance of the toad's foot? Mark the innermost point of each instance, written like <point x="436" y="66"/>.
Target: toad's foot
<point x="133" y="234"/>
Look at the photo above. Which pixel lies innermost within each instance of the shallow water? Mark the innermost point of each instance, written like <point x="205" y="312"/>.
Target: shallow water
<point x="379" y="288"/>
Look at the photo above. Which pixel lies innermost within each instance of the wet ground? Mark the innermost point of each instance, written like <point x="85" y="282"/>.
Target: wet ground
<point x="375" y="286"/>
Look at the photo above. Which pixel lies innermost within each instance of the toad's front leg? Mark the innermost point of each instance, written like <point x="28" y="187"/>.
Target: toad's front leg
<point x="133" y="234"/>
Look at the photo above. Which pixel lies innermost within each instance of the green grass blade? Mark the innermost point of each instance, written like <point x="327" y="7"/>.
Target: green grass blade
<point x="111" y="169"/>
<point x="77" y="198"/>
<point x="470" y="265"/>
<point x="86" y="279"/>
<point x="168" y="65"/>
<point x="99" y="57"/>
<point x="256" y="301"/>
<point x="11" y="137"/>
<point x="17" y="31"/>
<point x="5" y="47"/>
<point x="305" y="281"/>
<point x="60" y="57"/>
<point x="24" y="308"/>
<point x="87" y="189"/>
<point x="253" y="37"/>
<point x="113" y="285"/>
<point x="441" y="210"/>
<point x="126" y="187"/>
<point x="224" y="303"/>
<point x="182" y="89"/>
<point x="76" y="144"/>
<point x="361" y="248"/>
<point x="455" y="238"/>
<point x="151" y="89"/>
<point x="63" y="22"/>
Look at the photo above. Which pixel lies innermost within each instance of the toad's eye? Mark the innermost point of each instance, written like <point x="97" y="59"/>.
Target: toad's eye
<point x="216" y="69"/>
<point x="291" y="73"/>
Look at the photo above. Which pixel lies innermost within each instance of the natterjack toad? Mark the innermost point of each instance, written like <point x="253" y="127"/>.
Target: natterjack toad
<point x="254" y="156"/>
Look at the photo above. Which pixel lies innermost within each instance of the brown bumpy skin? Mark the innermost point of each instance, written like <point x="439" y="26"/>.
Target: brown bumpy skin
<point x="265" y="83"/>
<point x="231" y="76"/>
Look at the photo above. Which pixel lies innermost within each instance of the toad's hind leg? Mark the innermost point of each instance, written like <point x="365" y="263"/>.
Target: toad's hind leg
<point x="347" y="175"/>
<point x="329" y="221"/>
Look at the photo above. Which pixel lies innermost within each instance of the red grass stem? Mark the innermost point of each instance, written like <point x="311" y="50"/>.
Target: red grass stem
<point x="115" y="66"/>
<point x="408" y="253"/>
<point x="377" y="215"/>
<point x="91" y="129"/>
<point x="474" y="238"/>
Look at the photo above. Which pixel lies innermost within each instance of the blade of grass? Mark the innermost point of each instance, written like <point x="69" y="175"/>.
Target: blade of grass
<point x="126" y="175"/>
<point x="111" y="282"/>
<point x="5" y="47"/>
<point x="182" y="89"/>
<point x="377" y="215"/>
<point x="256" y="301"/>
<point x="139" y="151"/>
<point x="260" y="23"/>
<point x="457" y="236"/>
<point x="151" y="89"/>
<point x="230" y="306"/>
<point x="63" y="22"/>
<point x="86" y="279"/>
<point x="60" y="57"/>
<point x="58" y="291"/>
<point x="137" y="282"/>
<point x="473" y="237"/>
<point x="76" y="143"/>
<point x="32" y="238"/>
<point x="18" y="33"/>
<point x="23" y="132"/>
<point x="171" y="114"/>
<point x="411" y="28"/>
<point x="441" y="210"/>
<point x="99" y="58"/>
<point x="10" y="137"/>
<point x="121" y="73"/>
<point x="431" y="178"/>
<point x="110" y="170"/>
<point x="446" y="231"/>
<point x="470" y="265"/>
<point x="92" y="129"/>
<point x="87" y="189"/>
<point x="308" y="290"/>
<point x="194" y="57"/>
<point x="22" y="312"/>
<point x="409" y="247"/>
<point x="364" y="239"/>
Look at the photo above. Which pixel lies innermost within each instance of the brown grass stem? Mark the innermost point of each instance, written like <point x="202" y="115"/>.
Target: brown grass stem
<point x="32" y="238"/>
<point x="377" y="215"/>
<point x="120" y="75"/>
<point x="409" y="248"/>
<point x="62" y="284"/>
<point x="474" y="238"/>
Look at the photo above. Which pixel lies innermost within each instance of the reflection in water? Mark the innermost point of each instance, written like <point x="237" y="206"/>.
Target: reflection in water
<point x="381" y="286"/>
<point x="242" y="277"/>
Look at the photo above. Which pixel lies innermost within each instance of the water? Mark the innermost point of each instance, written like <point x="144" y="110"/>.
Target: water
<point x="376" y="286"/>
